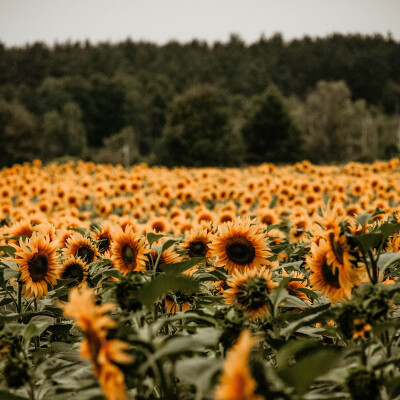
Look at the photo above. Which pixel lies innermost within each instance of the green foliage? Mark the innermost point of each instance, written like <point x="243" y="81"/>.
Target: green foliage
<point x="269" y="133"/>
<point x="198" y="131"/>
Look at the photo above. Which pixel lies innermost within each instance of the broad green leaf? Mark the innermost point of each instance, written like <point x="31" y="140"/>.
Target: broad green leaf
<point x="152" y="237"/>
<point x="165" y="283"/>
<point x="36" y="326"/>
<point x="9" y="250"/>
<point x="363" y="219"/>
<point x="178" y="268"/>
<point x="311" y="361"/>
<point x="368" y="241"/>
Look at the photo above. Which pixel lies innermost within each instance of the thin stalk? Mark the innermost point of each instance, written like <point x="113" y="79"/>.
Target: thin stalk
<point x="19" y="299"/>
<point x="374" y="267"/>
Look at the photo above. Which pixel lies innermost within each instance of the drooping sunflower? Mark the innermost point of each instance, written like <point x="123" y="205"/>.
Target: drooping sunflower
<point x="333" y="282"/>
<point x="81" y="246"/>
<point x="236" y="382"/>
<point x="74" y="268"/>
<point x="250" y="291"/>
<point x="129" y="251"/>
<point x="37" y="262"/>
<point x="240" y="246"/>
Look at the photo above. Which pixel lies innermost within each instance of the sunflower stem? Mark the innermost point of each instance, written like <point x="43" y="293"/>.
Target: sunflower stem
<point x="374" y="267"/>
<point x="19" y="306"/>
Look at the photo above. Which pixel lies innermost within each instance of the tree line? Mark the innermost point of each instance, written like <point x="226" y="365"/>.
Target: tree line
<point x="327" y="99"/>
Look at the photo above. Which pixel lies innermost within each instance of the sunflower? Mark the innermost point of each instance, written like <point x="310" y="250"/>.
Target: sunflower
<point x="240" y="246"/>
<point x="293" y="286"/>
<point x="334" y="282"/>
<point x="37" y="262"/>
<point x="103" y="237"/>
<point x="101" y="352"/>
<point x="74" y="268"/>
<point x="250" y="292"/>
<point x="81" y="246"/>
<point x="236" y="382"/>
<point x="129" y="251"/>
<point x="196" y="243"/>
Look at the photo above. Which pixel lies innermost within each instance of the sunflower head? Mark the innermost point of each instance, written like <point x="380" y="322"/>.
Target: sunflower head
<point x="240" y="246"/>
<point x="37" y="262"/>
<point x="76" y="269"/>
<point x="250" y="292"/>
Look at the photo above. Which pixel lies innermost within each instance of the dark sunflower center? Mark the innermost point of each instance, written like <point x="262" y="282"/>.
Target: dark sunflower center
<point x="73" y="271"/>
<point x="253" y="294"/>
<point x="103" y="244"/>
<point x="197" y="249"/>
<point x="330" y="278"/>
<point x="337" y="248"/>
<point x="128" y="254"/>
<point x="86" y="253"/>
<point x="38" y="266"/>
<point x="240" y="250"/>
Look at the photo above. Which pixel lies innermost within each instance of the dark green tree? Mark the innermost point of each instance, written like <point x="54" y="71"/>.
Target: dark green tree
<point x="269" y="132"/>
<point x="198" y="131"/>
<point x="19" y="139"/>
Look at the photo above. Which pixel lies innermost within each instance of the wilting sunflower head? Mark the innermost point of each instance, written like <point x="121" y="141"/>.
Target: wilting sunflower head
<point x="239" y="246"/>
<point x="250" y="291"/>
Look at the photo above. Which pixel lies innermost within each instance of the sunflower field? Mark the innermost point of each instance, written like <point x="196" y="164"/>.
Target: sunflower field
<point x="259" y="283"/>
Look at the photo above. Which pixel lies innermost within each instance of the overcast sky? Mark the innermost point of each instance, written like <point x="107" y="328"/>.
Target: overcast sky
<point x="27" y="21"/>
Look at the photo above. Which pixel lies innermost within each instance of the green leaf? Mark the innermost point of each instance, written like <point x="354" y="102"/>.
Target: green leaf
<point x="152" y="237"/>
<point x="11" y="273"/>
<point x="9" y="396"/>
<point x="368" y="241"/>
<point x="4" y="301"/>
<point x="79" y="230"/>
<point x="165" y="283"/>
<point x="178" y="268"/>
<point x="311" y="361"/>
<point x="9" y="250"/>
<point x="198" y="371"/>
<point x="35" y="327"/>
<point x="363" y="219"/>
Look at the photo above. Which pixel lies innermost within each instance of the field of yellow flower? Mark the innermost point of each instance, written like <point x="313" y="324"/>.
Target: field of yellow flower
<point x="266" y="282"/>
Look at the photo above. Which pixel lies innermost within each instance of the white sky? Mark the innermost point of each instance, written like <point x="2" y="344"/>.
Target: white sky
<point x="27" y="21"/>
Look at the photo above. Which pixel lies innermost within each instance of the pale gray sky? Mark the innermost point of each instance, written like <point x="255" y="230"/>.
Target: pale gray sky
<point x="26" y="21"/>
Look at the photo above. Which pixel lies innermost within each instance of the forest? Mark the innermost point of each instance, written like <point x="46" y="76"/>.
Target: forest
<point x="329" y="100"/>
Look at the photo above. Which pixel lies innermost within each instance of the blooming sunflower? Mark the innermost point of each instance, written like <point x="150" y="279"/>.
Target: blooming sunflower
<point x="101" y="352"/>
<point x="236" y="382"/>
<point x="240" y="246"/>
<point x="74" y="268"/>
<point x="129" y="251"/>
<point x="81" y="246"/>
<point x="37" y="262"/>
<point x="293" y="286"/>
<point x="196" y="243"/>
<point x="250" y="292"/>
<point x="334" y="282"/>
